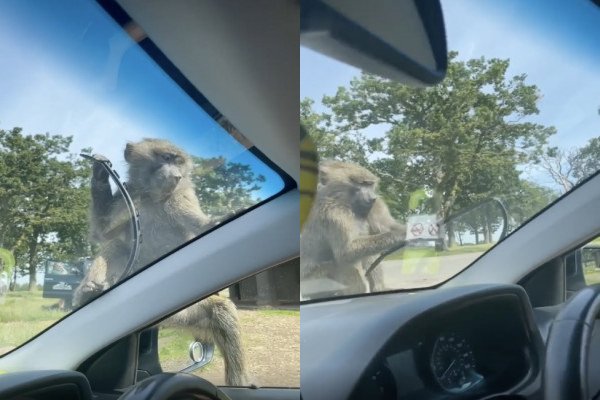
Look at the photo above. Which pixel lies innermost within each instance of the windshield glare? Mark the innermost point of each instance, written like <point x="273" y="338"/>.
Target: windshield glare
<point x="417" y="183"/>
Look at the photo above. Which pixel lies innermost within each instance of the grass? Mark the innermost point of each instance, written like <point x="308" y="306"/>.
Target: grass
<point x="271" y="339"/>
<point x="278" y="313"/>
<point x="592" y="275"/>
<point x="23" y="315"/>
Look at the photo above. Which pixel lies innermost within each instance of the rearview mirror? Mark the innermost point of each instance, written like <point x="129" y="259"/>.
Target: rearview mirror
<point x="404" y="40"/>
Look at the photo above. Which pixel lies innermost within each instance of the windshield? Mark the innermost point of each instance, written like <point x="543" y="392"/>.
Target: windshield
<point x="454" y="167"/>
<point x="75" y="83"/>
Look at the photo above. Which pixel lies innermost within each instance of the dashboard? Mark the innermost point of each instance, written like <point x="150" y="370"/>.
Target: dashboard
<point x="479" y="342"/>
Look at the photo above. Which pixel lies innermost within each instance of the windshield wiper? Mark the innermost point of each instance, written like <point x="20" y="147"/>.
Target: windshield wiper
<point x="133" y="213"/>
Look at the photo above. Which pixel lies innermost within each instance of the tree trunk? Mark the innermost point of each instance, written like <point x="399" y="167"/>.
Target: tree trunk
<point x="486" y="232"/>
<point x="451" y="238"/>
<point x="33" y="264"/>
<point x="489" y="229"/>
<point x="476" y="236"/>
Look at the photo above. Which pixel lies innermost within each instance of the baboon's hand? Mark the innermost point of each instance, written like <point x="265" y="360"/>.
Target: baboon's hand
<point x="398" y="230"/>
<point x="99" y="172"/>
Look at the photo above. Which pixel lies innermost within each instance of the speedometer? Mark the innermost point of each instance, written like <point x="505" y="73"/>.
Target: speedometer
<point x="453" y="363"/>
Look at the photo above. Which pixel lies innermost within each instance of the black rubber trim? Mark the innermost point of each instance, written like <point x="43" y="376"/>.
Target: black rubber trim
<point x="433" y="18"/>
<point x="316" y="16"/>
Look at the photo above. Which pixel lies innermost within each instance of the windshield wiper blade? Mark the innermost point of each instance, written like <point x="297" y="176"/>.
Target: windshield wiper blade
<point x="133" y="213"/>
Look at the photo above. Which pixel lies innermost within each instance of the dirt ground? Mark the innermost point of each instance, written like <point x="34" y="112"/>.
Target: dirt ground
<point x="272" y="346"/>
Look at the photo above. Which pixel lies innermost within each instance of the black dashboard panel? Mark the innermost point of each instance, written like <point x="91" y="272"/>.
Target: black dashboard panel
<point x="466" y="350"/>
<point x="45" y="385"/>
<point x="468" y="342"/>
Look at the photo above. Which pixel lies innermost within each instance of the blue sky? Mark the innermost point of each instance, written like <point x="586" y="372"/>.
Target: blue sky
<point x="67" y="68"/>
<point x="555" y="42"/>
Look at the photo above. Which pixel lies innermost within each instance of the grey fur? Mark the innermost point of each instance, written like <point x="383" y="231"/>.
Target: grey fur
<point x="170" y="215"/>
<point x="349" y="225"/>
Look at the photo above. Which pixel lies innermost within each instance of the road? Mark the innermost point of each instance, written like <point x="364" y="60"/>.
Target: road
<point x="423" y="272"/>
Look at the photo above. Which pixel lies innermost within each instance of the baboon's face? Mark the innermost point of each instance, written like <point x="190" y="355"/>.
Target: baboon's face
<point x="363" y="195"/>
<point x="157" y="165"/>
<point x="350" y="181"/>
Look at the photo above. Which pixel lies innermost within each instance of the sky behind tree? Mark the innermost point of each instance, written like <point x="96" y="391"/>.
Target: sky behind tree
<point x="67" y="68"/>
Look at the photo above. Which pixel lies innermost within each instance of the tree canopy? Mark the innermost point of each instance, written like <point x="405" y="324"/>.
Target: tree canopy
<point x="461" y="141"/>
<point x="45" y="198"/>
<point x="224" y="187"/>
<point x="568" y="167"/>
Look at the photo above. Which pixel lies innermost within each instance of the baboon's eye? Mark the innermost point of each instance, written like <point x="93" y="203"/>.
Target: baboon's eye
<point x="168" y="157"/>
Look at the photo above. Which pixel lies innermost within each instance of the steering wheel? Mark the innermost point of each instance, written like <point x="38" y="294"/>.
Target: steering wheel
<point x="566" y="366"/>
<point x="174" y="386"/>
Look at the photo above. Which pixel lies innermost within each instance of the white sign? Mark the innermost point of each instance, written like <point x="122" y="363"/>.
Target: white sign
<point x="422" y="227"/>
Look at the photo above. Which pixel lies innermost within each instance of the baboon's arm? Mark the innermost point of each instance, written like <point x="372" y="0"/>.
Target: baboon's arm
<point x="348" y="247"/>
<point x="102" y="202"/>
<point x="185" y="209"/>
<point x="380" y="219"/>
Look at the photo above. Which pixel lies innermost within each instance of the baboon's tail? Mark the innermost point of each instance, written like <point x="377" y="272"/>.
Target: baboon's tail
<point x="226" y="332"/>
<point x="215" y="319"/>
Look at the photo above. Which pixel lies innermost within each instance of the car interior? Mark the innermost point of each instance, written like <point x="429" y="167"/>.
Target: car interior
<point x="522" y="312"/>
<point x="254" y="83"/>
<point x="519" y="323"/>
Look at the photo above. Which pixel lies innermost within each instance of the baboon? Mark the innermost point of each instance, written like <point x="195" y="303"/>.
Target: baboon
<point x="162" y="190"/>
<point x="348" y="227"/>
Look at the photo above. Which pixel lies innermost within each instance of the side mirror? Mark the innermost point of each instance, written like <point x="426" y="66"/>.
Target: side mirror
<point x="200" y="354"/>
<point x="404" y="40"/>
<point x="582" y="268"/>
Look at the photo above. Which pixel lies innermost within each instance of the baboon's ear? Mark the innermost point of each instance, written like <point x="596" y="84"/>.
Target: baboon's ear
<point x="128" y="151"/>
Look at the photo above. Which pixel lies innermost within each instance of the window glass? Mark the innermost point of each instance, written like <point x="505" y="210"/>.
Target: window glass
<point x="73" y="81"/>
<point x="456" y="166"/>
<point x="269" y="326"/>
<point x="583" y="265"/>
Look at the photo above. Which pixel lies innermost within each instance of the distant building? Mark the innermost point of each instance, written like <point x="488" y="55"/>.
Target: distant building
<point x="278" y="286"/>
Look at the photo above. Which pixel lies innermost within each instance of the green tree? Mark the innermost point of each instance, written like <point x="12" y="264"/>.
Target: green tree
<point x="526" y="200"/>
<point x="461" y="139"/>
<point x="44" y="198"/>
<point x="331" y="143"/>
<point x="224" y="187"/>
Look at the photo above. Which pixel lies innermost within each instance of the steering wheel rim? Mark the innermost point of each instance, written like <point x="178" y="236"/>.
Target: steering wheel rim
<point x="173" y="386"/>
<point x="566" y="365"/>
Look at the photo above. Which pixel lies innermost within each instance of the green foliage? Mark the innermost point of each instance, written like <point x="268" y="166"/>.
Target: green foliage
<point x="7" y="260"/>
<point x="461" y="141"/>
<point x="224" y="187"/>
<point x="525" y="200"/>
<point x="331" y="143"/>
<point x="44" y="197"/>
